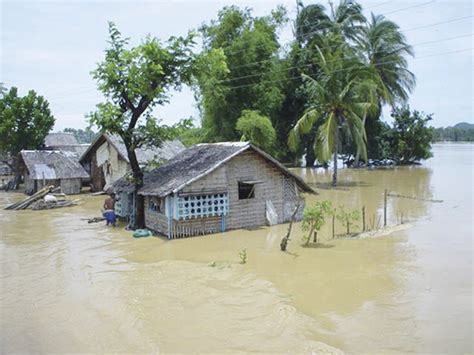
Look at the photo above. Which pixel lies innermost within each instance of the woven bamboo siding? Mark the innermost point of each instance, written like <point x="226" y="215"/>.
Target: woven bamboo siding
<point x="70" y="186"/>
<point x="215" y="181"/>
<point x="250" y="213"/>
<point x="155" y="220"/>
<point x="248" y="166"/>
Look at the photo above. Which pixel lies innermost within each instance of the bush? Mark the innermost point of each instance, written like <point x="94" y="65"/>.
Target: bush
<point x="410" y="138"/>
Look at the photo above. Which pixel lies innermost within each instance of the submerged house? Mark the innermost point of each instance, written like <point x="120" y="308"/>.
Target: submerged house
<point x="6" y="173"/>
<point x="65" y="142"/>
<point x="51" y="167"/>
<point x="106" y="159"/>
<point x="211" y="188"/>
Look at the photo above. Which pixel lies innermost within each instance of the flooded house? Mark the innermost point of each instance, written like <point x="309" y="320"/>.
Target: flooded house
<point x="65" y="142"/>
<point x="106" y="159"/>
<point x="51" y="167"/>
<point x="211" y="188"/>
<point x="7" y="173"/>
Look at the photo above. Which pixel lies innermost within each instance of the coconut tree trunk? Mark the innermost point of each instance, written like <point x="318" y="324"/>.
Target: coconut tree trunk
<point x="334" y="158"/>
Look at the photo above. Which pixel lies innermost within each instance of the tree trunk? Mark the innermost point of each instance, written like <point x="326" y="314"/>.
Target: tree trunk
<point x="310" y="157"/>
<point x="138" y="181"/>
<point x="336" y="144"/>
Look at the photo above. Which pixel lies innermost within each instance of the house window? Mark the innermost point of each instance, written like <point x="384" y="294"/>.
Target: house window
<point x="155" y="204"/>
<point x="246" y="190"/>
<point x="199" y="206"/>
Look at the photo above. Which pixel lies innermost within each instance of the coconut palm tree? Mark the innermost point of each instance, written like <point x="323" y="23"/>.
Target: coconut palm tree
<point x="383" y="47"/>
<point x="312" y="26"/>
<point x="341" y="94"/>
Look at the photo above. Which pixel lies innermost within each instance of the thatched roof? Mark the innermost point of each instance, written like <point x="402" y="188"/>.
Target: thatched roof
<point x="195" y="163"/>
<point x="144" y="155"/>
<point x="52" y="164"/>
<point x="60" y="139"/>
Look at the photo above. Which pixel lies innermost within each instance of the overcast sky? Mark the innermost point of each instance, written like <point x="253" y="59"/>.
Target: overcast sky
<point x="51" y="47"/>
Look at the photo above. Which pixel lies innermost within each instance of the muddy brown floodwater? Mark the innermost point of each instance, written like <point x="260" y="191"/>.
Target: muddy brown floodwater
<point x="69" y="286"/>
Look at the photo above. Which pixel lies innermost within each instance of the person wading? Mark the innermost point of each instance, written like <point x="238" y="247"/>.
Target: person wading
<point x="109" y="210"/>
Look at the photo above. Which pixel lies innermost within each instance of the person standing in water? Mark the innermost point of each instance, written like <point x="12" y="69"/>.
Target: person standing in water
<point x="109" y="210"/>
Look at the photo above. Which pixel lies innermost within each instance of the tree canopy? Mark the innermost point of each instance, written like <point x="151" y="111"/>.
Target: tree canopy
<point x="256" y="129"/>
<point x="243" y="70"/>
<point x="24" y="121"/>
<point x="135" y="80"/>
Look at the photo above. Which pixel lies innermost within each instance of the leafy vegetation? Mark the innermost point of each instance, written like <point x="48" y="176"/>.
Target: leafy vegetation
<point x="347" y="218"/>
<point x="134" y="80"/>
<point x="256" y="129"/>
<point x="410" y="138"/>
<point x="314" y="218"/>
<point x="237" y="69"/>
<point x="24" y="121"/>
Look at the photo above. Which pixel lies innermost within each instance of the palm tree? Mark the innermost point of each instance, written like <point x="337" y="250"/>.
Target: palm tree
<point x="340" y="96"/>
<point x="383" y="47"/>
<point x="312" y="26"/>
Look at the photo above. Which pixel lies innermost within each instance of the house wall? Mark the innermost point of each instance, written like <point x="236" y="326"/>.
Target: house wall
<point x="106" y="167"/>
<point x="97" y="175"/>
<point x="156" y="221"/>
<point x="248" y="213"/>
<point x="114" y="167"/>
<point x="40" y="185"/>
<point x="70" y="186"/>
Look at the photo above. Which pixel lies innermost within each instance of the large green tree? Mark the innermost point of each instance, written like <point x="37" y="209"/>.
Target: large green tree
<point x="247" y="79"/>
<point x="340" y="96"/>
<point x="24" y="121"/>
<point x="410" y="138"/>
<point x="135" y="80"/>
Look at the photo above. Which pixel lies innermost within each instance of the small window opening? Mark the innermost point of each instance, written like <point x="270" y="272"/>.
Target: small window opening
<point x="246" y="191"/>
<point x="156" y="204"/>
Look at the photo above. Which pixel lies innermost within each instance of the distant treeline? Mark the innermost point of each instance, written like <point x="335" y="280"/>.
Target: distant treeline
<point x="82" y="135"/>
<point x="461" y="132"/>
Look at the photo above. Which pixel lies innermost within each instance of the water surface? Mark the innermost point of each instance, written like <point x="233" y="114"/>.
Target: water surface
<point x="69" y="286"/>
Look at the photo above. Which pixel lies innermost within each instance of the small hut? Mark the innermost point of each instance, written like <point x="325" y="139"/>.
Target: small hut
<point x="46" y="167"/>
<point x="211" y="188"/>
<point x="65" y="142"/>
<point x="106" y="159"/>
<point x="6" y="173"/>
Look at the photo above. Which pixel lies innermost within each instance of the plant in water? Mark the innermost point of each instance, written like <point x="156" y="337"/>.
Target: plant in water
<point x="243" y="256"/>
<point x="314" y="218"/>
<point x="347" y="218"/>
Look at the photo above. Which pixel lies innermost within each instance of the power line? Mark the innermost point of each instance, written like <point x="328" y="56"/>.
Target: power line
<point x="407" y="30"/>
<point x="312" y="32"/>
<point x="410" y="7"/>
<point x="310" y="64"/>
<point x="299" y="76"/>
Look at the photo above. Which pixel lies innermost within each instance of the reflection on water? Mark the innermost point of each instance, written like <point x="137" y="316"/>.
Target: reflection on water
<point x="72" y="286"/>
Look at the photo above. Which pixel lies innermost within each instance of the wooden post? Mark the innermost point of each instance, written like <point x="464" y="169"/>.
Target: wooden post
<point x="363" y="219"/>
<point x="385" y="209"/>
<point x="333" y="220"/>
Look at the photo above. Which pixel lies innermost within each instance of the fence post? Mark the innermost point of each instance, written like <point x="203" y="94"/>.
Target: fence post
<point x="363" y="219"/>
<point x="385" y="209"/>
<point x="333" y="218"/>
